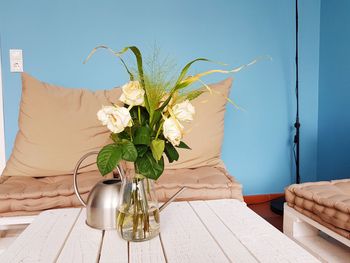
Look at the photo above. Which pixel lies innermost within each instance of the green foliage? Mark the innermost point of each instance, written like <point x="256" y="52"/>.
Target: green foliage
<point x="129" y="152"/>
<point x="144" y="143"/>
<point x="117" y="137"/>
<point x="193" y="94"/>
<point x="171" y="153"/>
<point x="149" y="167"/>
<point x="143" y="135"/>
<point x="108" y="158"/>
<point x="141" y="149"/>
<point x="183" y="145"/>
<point x="157" y="148"/>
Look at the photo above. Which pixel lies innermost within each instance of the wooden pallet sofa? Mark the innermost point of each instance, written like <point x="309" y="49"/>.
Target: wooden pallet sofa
<point x="317" y="207"/>
<point x="58" y="125"/>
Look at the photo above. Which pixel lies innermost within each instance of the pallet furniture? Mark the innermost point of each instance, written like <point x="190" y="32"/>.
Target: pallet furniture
<point x="197" y="231"/>
<point x="323" y="243"/>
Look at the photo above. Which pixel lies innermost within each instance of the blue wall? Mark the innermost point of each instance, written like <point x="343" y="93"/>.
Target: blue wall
<point x="57" y="35"/>
<point x="334" y="91"/>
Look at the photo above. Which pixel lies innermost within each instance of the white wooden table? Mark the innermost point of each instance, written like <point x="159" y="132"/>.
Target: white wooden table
<point x="200" y="231"/>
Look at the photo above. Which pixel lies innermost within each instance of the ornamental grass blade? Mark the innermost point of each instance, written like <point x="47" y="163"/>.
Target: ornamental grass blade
<point x="138" y="57"/>
<point x="192" y="79"/>
<point x="187" y="67"/>
<point x="117" y="54"/>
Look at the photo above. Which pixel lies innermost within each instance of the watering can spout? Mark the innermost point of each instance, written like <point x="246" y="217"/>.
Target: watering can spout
<point x="163" y="206"/>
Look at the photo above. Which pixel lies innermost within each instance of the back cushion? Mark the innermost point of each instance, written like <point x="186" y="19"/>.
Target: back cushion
<point x="56" y="127"/>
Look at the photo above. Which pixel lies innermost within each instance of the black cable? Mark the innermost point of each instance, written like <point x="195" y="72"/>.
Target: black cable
<point x="297" y="123"/>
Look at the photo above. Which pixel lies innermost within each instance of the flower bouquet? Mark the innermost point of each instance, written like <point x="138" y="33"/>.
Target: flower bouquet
<point x="147" y="126"/>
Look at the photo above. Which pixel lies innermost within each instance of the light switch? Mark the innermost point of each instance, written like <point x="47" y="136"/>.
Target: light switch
<point x="16" y="60"/>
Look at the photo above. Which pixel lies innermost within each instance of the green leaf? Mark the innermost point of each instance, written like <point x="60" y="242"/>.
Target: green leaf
<point x="157" y="148"/>
<point x="114" y="137"/>
<point x="183" y="146"/>
<point x="142" y="135"/>
<point x="129" y="151"/>
<point x="171" y="152"/>
<point x="187" y="67"/>
<point x="117" y="137"/>
<point x="194" y="94"/>
<point x="138" y="57"/>
<point x="149" y="167"/>
<point x="157" y="115"/>
<point x="141" y="150"/>
<point x="117" y="54"/>
<point x="108" y="158"/>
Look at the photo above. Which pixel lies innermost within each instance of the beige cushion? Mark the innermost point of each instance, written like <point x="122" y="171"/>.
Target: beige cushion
<point x="25" y="195"/>
<point x="56" y="127"/>
<point x="203" y="183"/>
<point x="206" y="132"/>
<point x="326" y="201"/>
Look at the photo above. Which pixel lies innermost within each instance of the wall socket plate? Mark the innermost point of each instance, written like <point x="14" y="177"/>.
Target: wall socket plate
<point x="16" y="60"/>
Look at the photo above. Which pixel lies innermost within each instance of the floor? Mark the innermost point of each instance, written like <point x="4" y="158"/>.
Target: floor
<point x="263" y="209"/>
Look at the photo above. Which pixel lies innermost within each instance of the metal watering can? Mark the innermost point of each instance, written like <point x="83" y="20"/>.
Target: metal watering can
<point x="103" y="200"/>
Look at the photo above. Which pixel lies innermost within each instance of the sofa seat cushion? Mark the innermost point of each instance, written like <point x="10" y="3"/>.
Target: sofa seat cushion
<point x="203" y="183"/>
<point x="327" y="202"/>
<point x="22" y="195"/>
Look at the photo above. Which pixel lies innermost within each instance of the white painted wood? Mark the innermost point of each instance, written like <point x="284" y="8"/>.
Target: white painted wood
<point x="146" y="252"/>
<point x="262" y="239"/>
<point x="325" y="250"/>
<point x="114" y="249"/>
<point x="2" y="129"/>
<point x="294" y="227"/>
<point x="291" y="229"/>
<point x="227" y="240"/>
<point x="42" y="240"/>
<point x="201" y="231"/>
<point x="306" y="232"/>
<point x="185" y="238"/>
<point x="83" y="244"/>
<point x="6" y="222"/>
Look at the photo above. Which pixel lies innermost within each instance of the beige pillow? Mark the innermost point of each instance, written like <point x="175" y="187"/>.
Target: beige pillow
<point x="206" y="132"/>
<point x="56" y="127"/>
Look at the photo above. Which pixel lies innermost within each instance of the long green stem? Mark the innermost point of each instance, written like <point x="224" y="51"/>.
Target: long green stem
<point x="159" y="129"/>
<point x="139" y="113"/>
<point x="130" y="133"/>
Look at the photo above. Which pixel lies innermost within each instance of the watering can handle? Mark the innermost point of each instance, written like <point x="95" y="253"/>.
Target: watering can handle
<point x="77" y="166"/>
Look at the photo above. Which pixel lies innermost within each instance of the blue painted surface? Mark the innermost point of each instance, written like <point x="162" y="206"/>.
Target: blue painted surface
<point x="56" y="36"/>
<point x="334" y="91"/>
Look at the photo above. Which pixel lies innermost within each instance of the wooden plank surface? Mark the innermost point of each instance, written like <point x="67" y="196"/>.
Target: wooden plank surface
<point x="83" y="243"/>
<point x="262" y="239"/>
<point x="185" y="238"/>
<point x="42" y="240"/>
<point x="114" y="249"/>
<point x="146" y="252"/>
<point x="228" y="242"/>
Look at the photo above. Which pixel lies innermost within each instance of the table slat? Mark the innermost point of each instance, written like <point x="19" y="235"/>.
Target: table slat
<point x="262" y="239"/>
<point x="228" y="242"/>
<point x="114" y="249"/>
<point x="42" y="240"/>
<point x="83" y="243"/>
<point x="185" y="238"/>
<point x="150" y="251"/>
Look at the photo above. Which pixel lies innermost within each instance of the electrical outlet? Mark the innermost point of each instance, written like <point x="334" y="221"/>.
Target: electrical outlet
<point x="16" y="60"/>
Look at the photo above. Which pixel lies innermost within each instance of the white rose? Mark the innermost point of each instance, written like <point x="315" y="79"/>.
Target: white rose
<point x="184" y="111"/>
<point x="115" y="118"/>
<point x="173" y="131"/>
<point x="133" y="93"/>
